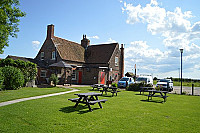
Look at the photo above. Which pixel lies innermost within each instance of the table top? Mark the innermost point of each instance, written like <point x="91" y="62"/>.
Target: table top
<point x="89" y="94"/>
<point x="157" y="91"/>
<point x="147" y="87"/>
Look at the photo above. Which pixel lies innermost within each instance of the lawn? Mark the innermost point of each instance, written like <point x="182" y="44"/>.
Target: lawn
<point x="128" y="112"/>
<point x="28" y="92"/>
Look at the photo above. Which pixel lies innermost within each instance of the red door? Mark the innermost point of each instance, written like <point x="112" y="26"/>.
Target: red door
<point x="102" y="79"/>
<point x="79" y="77"/>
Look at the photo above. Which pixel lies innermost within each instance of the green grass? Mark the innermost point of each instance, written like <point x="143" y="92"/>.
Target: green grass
<point x="128" y="112"/>
<point x="27" y="92"/>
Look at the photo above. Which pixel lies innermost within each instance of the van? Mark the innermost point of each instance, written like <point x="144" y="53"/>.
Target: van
<point x="147" y="79"/>
<point x="165" y="84"/>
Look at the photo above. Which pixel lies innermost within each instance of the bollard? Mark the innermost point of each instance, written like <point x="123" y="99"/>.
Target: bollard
<point x="192" y="89"/>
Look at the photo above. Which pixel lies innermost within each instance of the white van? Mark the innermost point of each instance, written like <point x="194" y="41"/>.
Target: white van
<point x="147" y="79"/>
<point x="165" y="84"/>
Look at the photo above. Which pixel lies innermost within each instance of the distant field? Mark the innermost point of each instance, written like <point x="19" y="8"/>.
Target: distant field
<point x="189" y="84"/>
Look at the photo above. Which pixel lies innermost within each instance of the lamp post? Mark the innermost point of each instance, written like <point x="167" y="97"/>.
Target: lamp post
<point x="181" y="50"/>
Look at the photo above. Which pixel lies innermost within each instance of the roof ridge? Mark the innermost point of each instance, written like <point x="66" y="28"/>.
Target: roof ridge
<point x="66" y="40"/>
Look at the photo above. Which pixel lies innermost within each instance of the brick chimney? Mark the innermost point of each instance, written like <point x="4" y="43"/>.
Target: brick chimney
<point x="85" y="42"/>
<point x="50" y="31"/>
<point x="122" y="61"/>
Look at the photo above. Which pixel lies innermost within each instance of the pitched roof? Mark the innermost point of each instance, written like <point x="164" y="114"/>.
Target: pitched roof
<point x="69" y="50"/>
<point x="100" y="53"/>
<point x="61" y="64"/>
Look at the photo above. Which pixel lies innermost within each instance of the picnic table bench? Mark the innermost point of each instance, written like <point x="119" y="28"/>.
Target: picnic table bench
<point x="162" y="94"/>
<point x="113" y="90"/>
<point x="88" y="98"/>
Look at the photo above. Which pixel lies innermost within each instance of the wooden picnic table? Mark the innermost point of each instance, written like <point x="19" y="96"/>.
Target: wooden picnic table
<point x="113" y="90"/>
<point x="98" y="86"/>
<point x="88" y="98"/>
<point x="162" y="94"/>
<point x="145" y="89"/>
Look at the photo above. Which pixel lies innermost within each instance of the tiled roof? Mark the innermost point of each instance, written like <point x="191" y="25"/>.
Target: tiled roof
<point x="69" y="50"/>
<point x="100" y="53"/>
<point x="61" y="64"/>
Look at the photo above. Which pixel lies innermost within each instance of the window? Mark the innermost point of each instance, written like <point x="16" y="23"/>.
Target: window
<point x="42" y="56"/>
<point x="73" y="75"/>
<point x="53" y="55"/>
<point x="43" y="73"/>
<point x="116" y="61"/>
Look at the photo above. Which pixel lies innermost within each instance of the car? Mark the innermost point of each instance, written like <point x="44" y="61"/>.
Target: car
<point x="146" y="79"/>
<point x="165" y="84"/>
<point x="125" y="82"/>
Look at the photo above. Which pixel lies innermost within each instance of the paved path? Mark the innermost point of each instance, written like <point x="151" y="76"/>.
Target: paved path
<point x="36" y="97"/>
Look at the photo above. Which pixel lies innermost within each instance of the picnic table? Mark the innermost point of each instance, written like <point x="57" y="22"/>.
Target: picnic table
<point x="113" y="90"/>
<point x="98" y="86"/>
<point x="145" y="89"/>
<point x="162" y="94"/>
<point x="88" y="98"/>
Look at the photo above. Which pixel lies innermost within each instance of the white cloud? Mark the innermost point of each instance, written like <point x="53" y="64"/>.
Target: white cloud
<point x="36" y="45"/>
<point x="173" y="26"/>
<point x="94" y="37"/>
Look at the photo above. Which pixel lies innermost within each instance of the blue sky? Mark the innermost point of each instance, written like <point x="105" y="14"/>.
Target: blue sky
<point x="153" y="31"/>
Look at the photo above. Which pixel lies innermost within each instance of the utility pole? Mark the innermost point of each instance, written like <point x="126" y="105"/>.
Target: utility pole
<point x="135" y="72"/>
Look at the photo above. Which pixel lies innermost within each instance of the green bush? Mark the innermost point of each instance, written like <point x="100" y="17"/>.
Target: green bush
<point x="137" y="86"/>
<point x="12" y="77"/>
<point x="28" y="69"/>
<point x="54" y="78"/>
<point x="1" y="78"/>
<point x="114" y="84"/>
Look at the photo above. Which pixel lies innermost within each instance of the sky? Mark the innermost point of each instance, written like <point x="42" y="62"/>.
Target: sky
<point x="152" y="31"/>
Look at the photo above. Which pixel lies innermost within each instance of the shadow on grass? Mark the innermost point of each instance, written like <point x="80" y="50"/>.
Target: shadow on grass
<point x="154" y="101"/>
<point x="80" y="109"/>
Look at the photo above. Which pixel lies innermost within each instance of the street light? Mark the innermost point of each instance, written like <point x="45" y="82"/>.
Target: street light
<point x="181" y="50"/>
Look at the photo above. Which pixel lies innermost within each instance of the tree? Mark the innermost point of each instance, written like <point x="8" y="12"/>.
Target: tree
<point x="54" y="78"/>
<point x="9" y="21"/>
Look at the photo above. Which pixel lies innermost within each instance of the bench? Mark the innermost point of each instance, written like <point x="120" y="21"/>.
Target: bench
<point x="114" y="92"/>
<point x="97" y="101"/>
<point x="74" y="99"/>
<point x="164" y="97"/>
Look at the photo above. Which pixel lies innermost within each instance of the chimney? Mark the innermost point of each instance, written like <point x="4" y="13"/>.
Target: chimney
<point x="50" y="31"/>
<point x="85" y="42"/>
<point x="122" y="61"/>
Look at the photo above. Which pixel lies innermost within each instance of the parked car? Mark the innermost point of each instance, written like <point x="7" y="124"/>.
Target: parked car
<point x="146" y="79"/>
<point x="165" y="84"/>
<point x="125" y="82"/>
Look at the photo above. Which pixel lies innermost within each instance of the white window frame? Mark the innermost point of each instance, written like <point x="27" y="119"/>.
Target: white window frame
<point x="73" y="75"/>
<point x="53" y="55"/>
<point x="116" y="61"/>
<point x="42" y="55"/>
<point x="45" y="73"/>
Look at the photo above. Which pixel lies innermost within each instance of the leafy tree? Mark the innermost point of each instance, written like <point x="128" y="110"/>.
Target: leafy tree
<point x="54" y="78"/>
<point x="9" y="21"/>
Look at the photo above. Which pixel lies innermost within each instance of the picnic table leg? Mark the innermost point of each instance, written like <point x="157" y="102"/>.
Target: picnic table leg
<point x="77" y="102"/>
<point x="87" y="103"/>
<point x="99" y="102"/>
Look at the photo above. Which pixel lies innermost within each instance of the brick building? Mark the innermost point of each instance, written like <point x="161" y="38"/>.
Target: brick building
<point x="78" y="63"/>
